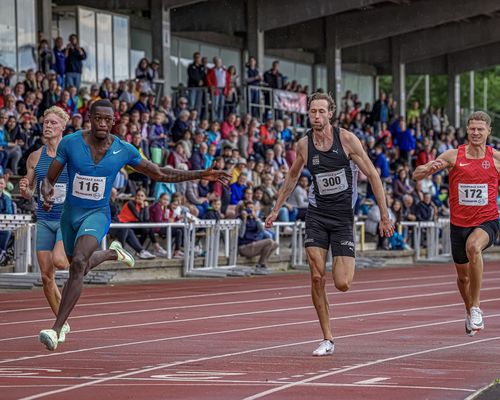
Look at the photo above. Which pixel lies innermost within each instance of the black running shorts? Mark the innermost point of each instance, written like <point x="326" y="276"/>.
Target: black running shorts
<point x="335" y="230"/>
<point x="459" y="236"/>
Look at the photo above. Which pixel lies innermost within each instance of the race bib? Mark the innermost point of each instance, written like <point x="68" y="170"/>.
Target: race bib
<point x="472" y="194"/>
<point x="89" y="187"/>
<point x="59" y="193"/>
<point x="331" y="182"/>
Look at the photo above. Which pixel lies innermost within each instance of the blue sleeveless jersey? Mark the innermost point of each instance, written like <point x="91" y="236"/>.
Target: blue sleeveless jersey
<point x="89" y="183"/>
<point x="41" y="170"/>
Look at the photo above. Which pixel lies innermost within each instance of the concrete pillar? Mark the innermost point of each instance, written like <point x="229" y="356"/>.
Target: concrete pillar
<point x="376" y="88"/>
<point x="454" y="98"/>
<point x="398" y="77"/>
<point x="255" y="35"/>
<point x="427" y="94"/>
<point x="333" y="62"/>
<point x="160" y="32"/>
<point x="472" y="88"/>
<point x="44" y="12"/>
<point x="485" y="93"/>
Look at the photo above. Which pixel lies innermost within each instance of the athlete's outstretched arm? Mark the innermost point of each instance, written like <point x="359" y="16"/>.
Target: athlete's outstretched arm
<point x="50" y="180"/>
<point x="27" y="182"/>
<point x="445" y="160"/>
<point x="361" y="159"/>
<point x="176" y="175"/>
<point x="288" y="186"/>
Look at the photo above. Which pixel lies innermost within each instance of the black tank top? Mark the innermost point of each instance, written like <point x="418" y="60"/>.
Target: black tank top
<point x="334" y="177"/>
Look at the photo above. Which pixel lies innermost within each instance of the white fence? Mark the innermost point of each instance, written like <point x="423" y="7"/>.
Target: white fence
<point x="208" y="242"/>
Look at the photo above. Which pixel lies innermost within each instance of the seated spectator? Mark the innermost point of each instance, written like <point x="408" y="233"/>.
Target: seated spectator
<point x="373" y="220"/>
<point x="180" y="126"/>
<point x="160" y="212"/>
<point x="250" y="241"/>
<point x="228" y="126"/>
<point x="214" y="210"/>
<point x="402" y="184"/>
<point x="267" y="133"/>
<point x="136" y="210"/>
<point x="125" y="235"/>
<point x="5" y="208"/>
<point x="157" y="139"/>
<point x="177" y="156"/>
<point x="197" y="195"/>
<point x="238" y="188"/>
<point x="299" y="200"/>
<point x="426" y="210"/>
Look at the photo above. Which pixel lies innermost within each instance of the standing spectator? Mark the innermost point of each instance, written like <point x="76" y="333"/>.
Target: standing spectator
<point x="144" y="74"/>
<point x="59" y="64"/>
<point x="253" y="78"/>
<point x="380" y="111"/>
<point x="273" y="77"/>
<point x="232" y="98"/>
<point x="74" y="56"/>
<point x="155" y="75"/>
<point x="414" y="111"/>
<point x="251" y="234"/>
<point x="219" y="82"/>
<point x="196" y="80"/>
<point x="5" y="208"/>
<point x="406" y="142"/>
<point x="45" y="57"/>
<point x="381" y="162"/>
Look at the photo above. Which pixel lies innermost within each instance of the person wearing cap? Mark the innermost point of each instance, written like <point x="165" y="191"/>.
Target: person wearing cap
<point x="59" y="66"/>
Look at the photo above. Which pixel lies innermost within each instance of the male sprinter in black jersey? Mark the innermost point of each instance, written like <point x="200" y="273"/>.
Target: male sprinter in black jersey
<point x="332" y="156"/>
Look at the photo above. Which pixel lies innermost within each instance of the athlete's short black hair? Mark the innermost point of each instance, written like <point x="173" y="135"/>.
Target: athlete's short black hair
<point x="100" y="103"/>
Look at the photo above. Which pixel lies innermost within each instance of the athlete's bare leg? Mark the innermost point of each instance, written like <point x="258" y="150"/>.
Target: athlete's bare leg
<point x="85" y="247"/>
<point x="343" y="272"/>
<point x="463" y="283"/>
<point x="48" y="273"/>
<point x="317" y="264"/>
<point x="476" y="243"/>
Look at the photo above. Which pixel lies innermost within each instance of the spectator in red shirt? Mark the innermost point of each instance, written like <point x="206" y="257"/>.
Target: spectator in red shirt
<point x="228" y="126"/>
<point x="219" y="82"/>
<point x="267" y="134"/>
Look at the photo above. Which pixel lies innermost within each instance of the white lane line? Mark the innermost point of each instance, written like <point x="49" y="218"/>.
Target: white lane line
<point x="181" y="307"/>
<point x="226" y="382"/>
<point x="363" y="365"/>
<point x="177" y="363"/>
<point x="194" y="296"/>
<point x="280" y="310"/>
<point x="372" y="381"/>
<point x="236" y="330"/>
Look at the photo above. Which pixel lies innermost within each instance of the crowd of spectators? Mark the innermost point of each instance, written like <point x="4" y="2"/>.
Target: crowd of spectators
<point x="258" y="150"/>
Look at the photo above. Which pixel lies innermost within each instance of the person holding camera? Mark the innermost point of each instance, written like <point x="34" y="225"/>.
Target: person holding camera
<point x="74" y="56"/>
<point x="251" y="240"/>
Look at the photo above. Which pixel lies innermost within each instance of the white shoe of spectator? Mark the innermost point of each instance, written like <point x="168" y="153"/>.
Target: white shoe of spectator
<point x="160" y="251"/>
<point x="146" y="255"/>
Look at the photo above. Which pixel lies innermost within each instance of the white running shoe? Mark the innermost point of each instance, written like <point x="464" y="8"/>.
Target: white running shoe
<point x="146" y="255"/>
<point x="49" y="338"/>
<point x="468" y="330"/>
<point x="123" y="255"/>
<point x="64" y="331"/>
<point x="161" y="252"/>
<point x="476" y="319"/>
<point x="325" y="348"/>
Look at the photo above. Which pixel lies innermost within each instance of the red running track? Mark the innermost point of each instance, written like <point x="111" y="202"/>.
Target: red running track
<point x="399" y="335"/>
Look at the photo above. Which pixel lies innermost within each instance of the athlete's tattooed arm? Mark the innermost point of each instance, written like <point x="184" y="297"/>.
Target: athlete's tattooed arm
<point x="290" y="183"/>
<point x="445" y="160"/>
<point x="176" y="175"/>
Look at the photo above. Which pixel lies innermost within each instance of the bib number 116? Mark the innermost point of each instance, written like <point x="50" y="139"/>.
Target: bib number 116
<point x="89" y="186"/>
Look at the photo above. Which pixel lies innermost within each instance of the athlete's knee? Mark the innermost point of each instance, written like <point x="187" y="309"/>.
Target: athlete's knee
<point x="343" y="285"/>
<point x="474" y="250"/>
<point x="59" y="261"/>
<point x="48" y="278"/>
<point x="463" y="279"/>
<point x="318" y="279"/>
<point x="78" y="266"/>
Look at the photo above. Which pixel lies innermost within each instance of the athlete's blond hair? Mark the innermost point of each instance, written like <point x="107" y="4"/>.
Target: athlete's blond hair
<point x="59" y="112"/>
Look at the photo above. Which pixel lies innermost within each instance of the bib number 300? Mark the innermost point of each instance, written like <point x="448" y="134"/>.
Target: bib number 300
<point x="331" y="182"/>
<point x="89" y="187"/>
<point x="473" y="195"/>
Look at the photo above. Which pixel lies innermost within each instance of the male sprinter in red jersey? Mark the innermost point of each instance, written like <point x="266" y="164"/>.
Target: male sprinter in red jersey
<point x="474" y="171"/>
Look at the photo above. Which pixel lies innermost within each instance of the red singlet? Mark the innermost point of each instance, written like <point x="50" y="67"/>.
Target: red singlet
<point x="473" y="189"/>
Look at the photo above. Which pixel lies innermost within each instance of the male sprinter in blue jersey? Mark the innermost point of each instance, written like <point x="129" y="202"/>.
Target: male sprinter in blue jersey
<point x="93" y="158"/>
<point x="49" y="246"/>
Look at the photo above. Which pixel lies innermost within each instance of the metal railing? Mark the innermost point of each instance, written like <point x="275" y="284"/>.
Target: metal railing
<point x="436" y="235"/>
<point x="24" y="233"/>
